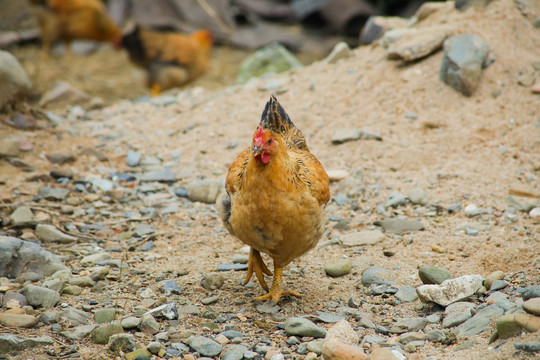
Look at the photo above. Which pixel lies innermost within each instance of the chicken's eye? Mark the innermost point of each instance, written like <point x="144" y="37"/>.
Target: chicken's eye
<point x="269" y="142"/>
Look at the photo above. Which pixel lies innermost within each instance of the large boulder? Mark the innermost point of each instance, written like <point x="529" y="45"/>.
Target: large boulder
<point x="14" y="82"/>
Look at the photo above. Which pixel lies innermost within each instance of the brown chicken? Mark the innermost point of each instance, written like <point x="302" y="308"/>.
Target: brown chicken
<point x="170" y="59"/>
<point x="67" y="20"/>
<point x="275" y="195"/>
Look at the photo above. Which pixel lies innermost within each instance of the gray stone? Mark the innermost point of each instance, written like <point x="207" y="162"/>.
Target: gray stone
<point x="473" y="210"/>
<point x="407" y="337"/>
<point x="40" y="296"/>
<point x="121" y="342"/>
<point x="532" y="346"/>
<point x="498" y="285"/>
<point x="14" y="82"/>
<point x="400" y="226"/>
<point x="82" y="281"/>
<point x="406" y="294"/>
<point x="461" y="67"/>
<point x="161" y="175"/>
<point x="63" y="93"/>
<point x="17" y="320"/>
<point x="133" y="158"/>
<point x="340" y="51"/>
<point x="10" y="296"/>
<point x="344" y="332"/>
<point x="79" y="332"/>
<point x="61" y="158"/>
<point x="327" y="317"/>
<point x="434" y="318"/>
<point x="103" y="316"/>
<point x="479" y="322"/>
<point x="130" y="322"/>
<point x="95" y="258"/>
<point x="373" y="339"/>
<point x="204" y="345"/>
<point x="338" y="268"/>
<point x="102" y="334"/>
<point x="530" y="292"/>
<point x="315" y="346"/>
<point x="18" y="257"/>
<point x="10" y="343"/>
<point x="9" y="147"/>
<point x="395" y="200"/>
<point x="231" y="334"/>
<point x="451" y="290"/>
<point x="49" y="193"/>
<point x="76" y="317"/>
<point x="49" y="317"/>
<point x="155" y="347"/>
<point x="149" y="325"/>
<point x="532" y="306"/>
<point x="303" y="327"/>
<point x="143" y="230"/>
<point x="102" y="184"/>
<point x="372" y="275"/>
<point x="170" y="287"/>
<point x="234" y="352"/>
<point x="511" y="325"/>
<point x="418" y="195"/>
<point x="362" y="238"/>
<point x="232" y="267"/>
<point x="435" y="336"/>
<point x="49" y="233"/>
<point x="189" y="309"/>
<point x="213" y="281"/>
<point x="415" y="44"/>
<point x="274" y="58"/>
<point x="465" y="4"/>
<point x="496" y="275"/>
<point x="167" y="311"/>
<point x="433" y="274"/>
<point x="345" y="135"/>
<point x="457" y="313"/>
<point x="22" y="216"/>
<point x="408" y="324"/>
<point x="206" y="190"/>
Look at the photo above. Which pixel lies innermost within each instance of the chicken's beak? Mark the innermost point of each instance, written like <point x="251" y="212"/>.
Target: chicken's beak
<point x="256" y="150"/>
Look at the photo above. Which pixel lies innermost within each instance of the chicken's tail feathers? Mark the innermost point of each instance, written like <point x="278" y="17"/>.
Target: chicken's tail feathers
<point x="275" y="118"/>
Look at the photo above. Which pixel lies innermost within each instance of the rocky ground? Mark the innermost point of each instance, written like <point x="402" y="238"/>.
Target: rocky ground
<point x="111" y="246"/>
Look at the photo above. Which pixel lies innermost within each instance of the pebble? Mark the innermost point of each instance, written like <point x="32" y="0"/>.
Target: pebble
<point x="435" y="335"/>
<point x="408" y="325"/>
<point x="234" y="352"/>
<point x="345" y="135"/>
<point x="155" y="347"/>
<point x="210" y="300"/>
<point x="102" y="334"/>
<point x="49" y="193"/>
<point x="189" y="309"/>
<point x="395" y="200"/>
<point x="381" y="353"/>
<point x="400" y="226"/>
<point x="530" y="292"/>
<point x="102" y="184"/>
<point x="498" y="285"/>
<point x="511" y="325"/>
<point x="142" y="354"/>
<point x="496" y="275"/>
<point x="372" y="275"/>
<point x="528" y="346"/>
<point x="206" y="191"/>
<point x="231" y="334"/>
<point x="339" y="52"/>
<point x="22" y="216"/>
<point x="457" y="313"/>
<point x="121" y="342"/>
<point x="418" y="196"/>
<point x="240" y="259"/>
<point x="170" y="287"/>
<point x="95" y="258"/>
<point x="213" y="281"/>
<point x="49" y="317"/>
<point x="149" y="325"/>
<point x="160" y="175"/>
<point x="479" y="322"/>
<point x="40" y="297"/>
<point x="433" y="274"/>
<point x="17" y="320"/>
<point x="204" y="345"/>
<point x="303" y="327"/>
<point x="60" y="158"/>
<point x="79" y="332"/>
<point x="334" y="349"/>
<point x="76" y="317"/>
<point x="327" y="317"/>
<point x="130" y="322"/>
<point x="143" y="230"/>
<point x="133" y="158"/>
<point x="232" y="267"/>
<point x="406" y="294"/>
<point x="472" y="210"/>
<point x="337" y="175"/>
<point x="338" y="268"/>
<point x="362" y="238"/>
<point x="102" y="316"/>
<point x="451" y="290"/>
<point x="415" y="44"/>
<point x="532" y="306"/>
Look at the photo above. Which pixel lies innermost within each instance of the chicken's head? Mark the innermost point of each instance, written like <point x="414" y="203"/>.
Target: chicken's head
<point x="264" y="145"/>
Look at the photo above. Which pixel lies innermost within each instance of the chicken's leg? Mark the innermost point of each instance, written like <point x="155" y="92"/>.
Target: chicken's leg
<point x="256" y="265"/>
<point x="156" y="89"/>
<point x="276" y="291"/>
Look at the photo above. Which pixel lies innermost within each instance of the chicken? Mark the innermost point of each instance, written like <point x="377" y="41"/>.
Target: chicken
<point x="67" y="20"/>
<point x="276" y="191"/>
<point x="170" y="59"/>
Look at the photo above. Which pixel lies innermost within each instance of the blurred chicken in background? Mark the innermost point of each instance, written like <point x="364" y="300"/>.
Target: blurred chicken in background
<point x="67" y="20"/>
<point x="170" y="59"/>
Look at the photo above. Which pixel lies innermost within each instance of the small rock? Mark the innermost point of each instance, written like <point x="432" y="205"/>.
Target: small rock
<point x="498" y="285"/>
<point x="232" y="267"/>
<point x="49" y="233"/>
<point x="22" y="216"/>
<point x="160" y="175"/>
<point x="381" y="353"/>
<point x="60" y="158"/>
<point x="418" y="195"/>
<point x="213" y="281"/>
<point x="406" y="294"/>
<point x="433" y="274"/>
<point x="15" y="83"/>
<point x="303" y="327"/>
<point x="334" y="349"/>
<point x="479" y="322"/>
<point x="121" y="342"/>
<point x="9" y="147"/>
<point x="528" y="346"/>
<point x="435" y="336"/>
<point x="204" y="346"/>
<point x="415" y="44"/>
<point x="400" y="226"/>
<point x="451" y="290"/>
<point x="234" y="352"/>
<point x="140" y="354"/>
<point x="155" y="347"/>
<point x="130" y="322"/>
<point x="149" y="325"/>
<point x="133" y="158"/>
<point x="167" y="311"/>
<point x="372" y="275"/>
<point x="102" y="334"/>
<point x="395" y="200"/>
<point x="49" y="193"/>
<point x="206" y="191"/>
<point x="457" y="313"/>
<point x="63" y="93"/>
<point x="102" y="316"/>
<point x="530" y="292"/>
<point x="345" y="135"/>
<point x="340" y="51"/>
<point x="95" y="258"/>
<point x="10" y="343"/>
<point x="408" y="325"/>
<point x="461" y="67"/>
<point x="532" y="306"/>
<point x="338" y="268"/>
<point x="337" y="175"/>
<point x="170" y="287"/>
<point x="76" y="317"/>
<point x="40" y="296"/>
<point x="344" y="332"/>
<point x="496" y="275"/>
<point x="49" y="317"/>
<point x="79" y="332"/>
<point x="17" y="320"/>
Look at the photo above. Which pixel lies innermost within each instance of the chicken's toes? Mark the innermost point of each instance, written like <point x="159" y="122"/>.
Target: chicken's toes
<point x="275" y="296"/>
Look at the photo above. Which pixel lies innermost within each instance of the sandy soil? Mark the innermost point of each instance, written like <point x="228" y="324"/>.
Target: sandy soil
<point x="459" y="149"/>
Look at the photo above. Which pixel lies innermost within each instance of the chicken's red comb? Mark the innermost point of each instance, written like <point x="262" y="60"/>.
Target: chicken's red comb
<point x="260" y="132"/>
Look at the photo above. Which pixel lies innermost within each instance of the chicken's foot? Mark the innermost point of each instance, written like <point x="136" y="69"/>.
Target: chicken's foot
<point x="156" y="90"/>
<point x="256" y="265"/>
<point x="276" y="291"/>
